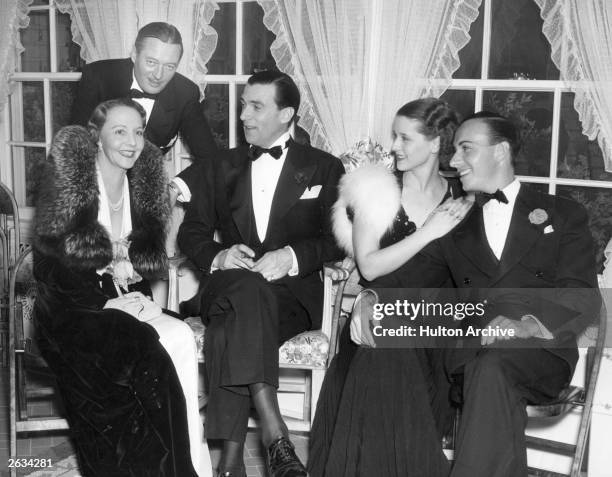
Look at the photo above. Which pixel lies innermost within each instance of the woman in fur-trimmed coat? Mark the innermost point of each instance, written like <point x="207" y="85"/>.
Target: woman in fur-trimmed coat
<point x="99" y="233"/>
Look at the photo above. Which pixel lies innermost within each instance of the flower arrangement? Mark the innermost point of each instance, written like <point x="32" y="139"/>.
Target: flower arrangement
<point x="366" y="152"/>
<point x="121" y="268"/>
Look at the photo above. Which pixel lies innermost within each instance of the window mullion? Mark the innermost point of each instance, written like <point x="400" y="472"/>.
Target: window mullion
<point x="52" y="38"/>
<point x="554" y="147"/>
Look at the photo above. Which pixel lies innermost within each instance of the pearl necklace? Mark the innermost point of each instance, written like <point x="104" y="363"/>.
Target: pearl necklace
<point x="117" y="205"/>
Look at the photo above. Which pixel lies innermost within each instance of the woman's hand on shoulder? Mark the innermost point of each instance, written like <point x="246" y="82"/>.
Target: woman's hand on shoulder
<point x="446" y="216"/>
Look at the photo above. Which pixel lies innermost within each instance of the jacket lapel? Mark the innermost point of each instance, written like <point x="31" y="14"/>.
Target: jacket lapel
<point x="239" y="191"/>
<point x="294" y="178"/>
<point x="522" y="234"/>
<point x="471" y="240"/>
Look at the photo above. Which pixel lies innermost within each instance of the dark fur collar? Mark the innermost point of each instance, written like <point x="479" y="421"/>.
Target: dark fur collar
<point x="66" y="222"/>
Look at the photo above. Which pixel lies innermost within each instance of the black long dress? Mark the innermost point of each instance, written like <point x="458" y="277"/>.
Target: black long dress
<point x="121" y="392"/>
<point x="374" y="415"/>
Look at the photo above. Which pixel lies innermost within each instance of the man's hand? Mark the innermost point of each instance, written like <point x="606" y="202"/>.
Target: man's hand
<point x="274" y="265"/>
<point x="522" y="329"/>
<point x="237" y="256"/>
<point x="342" y="270"/>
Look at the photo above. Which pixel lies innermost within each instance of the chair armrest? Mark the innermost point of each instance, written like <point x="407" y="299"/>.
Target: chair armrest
<point x="334" y="281"/>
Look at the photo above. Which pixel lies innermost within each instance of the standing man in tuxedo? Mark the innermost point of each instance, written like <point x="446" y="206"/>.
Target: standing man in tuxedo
<point x="170" y="100"/>
<point x="529" y="257"/>
<point x="270" y="201"/>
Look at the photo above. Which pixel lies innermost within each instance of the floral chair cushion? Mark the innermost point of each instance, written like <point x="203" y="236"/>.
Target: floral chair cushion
<point x="309" y="348"/>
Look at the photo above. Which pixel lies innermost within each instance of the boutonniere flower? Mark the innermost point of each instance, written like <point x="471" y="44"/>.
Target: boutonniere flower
<point x="538" y="216"/>
<point x="299" y="177"/>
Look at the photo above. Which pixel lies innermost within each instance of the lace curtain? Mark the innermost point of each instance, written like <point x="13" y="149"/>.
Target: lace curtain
<point x="358" y="61"/>
<point x="580" y="35"/>
<point x="13" y="16"/>
<point x="108" y="29"/>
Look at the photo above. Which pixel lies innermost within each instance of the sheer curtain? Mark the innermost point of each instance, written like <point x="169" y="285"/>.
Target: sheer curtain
<point x="580" y="34"/>
<point x="108" y="29"/>
<point x="358" y="61"/>
<point x="13" y="16"/>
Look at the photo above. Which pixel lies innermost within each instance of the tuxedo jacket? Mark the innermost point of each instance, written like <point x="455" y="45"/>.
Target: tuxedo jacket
<point x="299" y="216"/>
<point x="176" y="110"/>
<point x="547" y="267"/>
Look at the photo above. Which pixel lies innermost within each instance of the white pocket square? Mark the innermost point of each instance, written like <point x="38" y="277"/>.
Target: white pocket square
<point x="312" y="192"/>
<point x="548" y="229"/>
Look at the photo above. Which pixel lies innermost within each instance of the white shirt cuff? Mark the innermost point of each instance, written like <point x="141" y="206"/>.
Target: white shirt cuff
<point x="295" y="269"/>
<point x="184" y="194"/>
<point x="544" y="333"/>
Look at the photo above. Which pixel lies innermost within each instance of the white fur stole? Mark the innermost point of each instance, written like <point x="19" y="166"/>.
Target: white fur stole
<point x="374" y="195"/>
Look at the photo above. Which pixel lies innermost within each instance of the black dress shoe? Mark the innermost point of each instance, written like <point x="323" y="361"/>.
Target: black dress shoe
<point x="282" y="461"/>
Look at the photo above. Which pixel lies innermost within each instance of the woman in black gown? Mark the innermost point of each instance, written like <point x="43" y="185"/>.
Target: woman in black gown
<point x="382" y="411"/>
<point x="120" y="362"/>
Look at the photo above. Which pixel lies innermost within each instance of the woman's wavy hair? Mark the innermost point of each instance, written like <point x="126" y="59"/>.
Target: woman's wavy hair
<point x="438" y="119"/>
<point x="99" y="115"/>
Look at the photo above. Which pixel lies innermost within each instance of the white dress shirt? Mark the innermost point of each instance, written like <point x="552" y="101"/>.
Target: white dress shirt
<point x="497" y="216"/>
<point x="146" y="103"/>
<point x="265" y="172"/>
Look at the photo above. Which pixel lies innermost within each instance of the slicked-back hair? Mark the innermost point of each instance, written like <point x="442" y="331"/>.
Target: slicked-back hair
<point x="287" y="94"/>
<point x="99" y="115"/>
<point x="500" y="129"/>
<point x="162" y="31"/>
<point x="437" y="119"/>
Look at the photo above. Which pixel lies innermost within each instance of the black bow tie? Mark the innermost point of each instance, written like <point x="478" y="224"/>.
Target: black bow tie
<point x="483" y="197"/>
<point x="137" y="94"/>
<point x="255" y="152"/>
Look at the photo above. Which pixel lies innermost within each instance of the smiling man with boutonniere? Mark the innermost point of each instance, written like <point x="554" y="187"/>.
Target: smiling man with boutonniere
<point x="529" y="256"/>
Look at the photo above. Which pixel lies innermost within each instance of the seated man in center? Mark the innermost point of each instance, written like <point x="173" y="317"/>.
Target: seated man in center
<point x="270" y="201"/>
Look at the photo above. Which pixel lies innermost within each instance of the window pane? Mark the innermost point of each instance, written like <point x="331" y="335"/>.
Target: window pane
<point x="223" y="60"/>
<point x="257" y="41"/>
<point x="33" y="111"/>
<point x="470" y="56"/>
<point x="461" y="100"/>
<point x="532" y="114"/>
<point x="579" y="158"/>
<point x="68" y="52"/>
<point x="519" y="49"/>
<point x="31" y="169"/>
<point x="216" y="109"/>
<point x="598" y="203"/>
<point x="35" y="40"/>
<point x="62" y="97"/>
